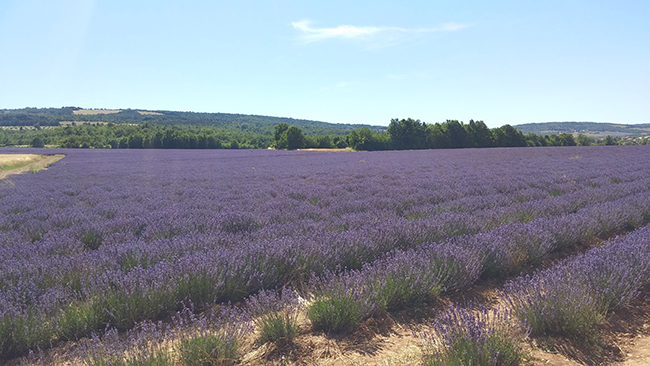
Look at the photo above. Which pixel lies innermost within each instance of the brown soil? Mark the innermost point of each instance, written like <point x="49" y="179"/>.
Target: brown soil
<point x="26" y="162"/>
<point x="393" y="340"/>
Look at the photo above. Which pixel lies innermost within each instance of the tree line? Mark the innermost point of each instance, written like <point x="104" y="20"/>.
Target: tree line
<point x="153" y="136"/>
<point x="142" y="136"/>
<point x="452" y="134"/>
<point x="400" y="135"/>
<point x="226" y="121"/>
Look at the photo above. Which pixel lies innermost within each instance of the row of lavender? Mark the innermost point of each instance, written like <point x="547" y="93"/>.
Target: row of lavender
<point x="422" y="274"/>
<point x="573" y="297"/>
<point x="73" y="235"/>
<point x="570" y="299"/>
<point x="117" y="237"/>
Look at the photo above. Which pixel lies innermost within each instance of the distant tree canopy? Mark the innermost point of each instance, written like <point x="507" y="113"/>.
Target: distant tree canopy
<point x="132" y="129"/>
<point x="452" y="134"/>
<point x="292" y="138"/>
<point x="365" y="139"/>
<point x="225" y="121"/>
<point x="118" y="136"/>
<point x="280" y="136"/>
<point x="150" y="136"/>
<point x="295" y="138"/>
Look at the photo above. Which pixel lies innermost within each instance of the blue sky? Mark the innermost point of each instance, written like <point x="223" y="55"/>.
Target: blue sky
<point x="336" y="61"/>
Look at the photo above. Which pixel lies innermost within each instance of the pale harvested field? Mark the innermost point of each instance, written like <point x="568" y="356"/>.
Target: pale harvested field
<point x="18" y="163"/>
<point x="78" y="123"/>
<point x="92" y="112"/>
<point x="145" y="113"/>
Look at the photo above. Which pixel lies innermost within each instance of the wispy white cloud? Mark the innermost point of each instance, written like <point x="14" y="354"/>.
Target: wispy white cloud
<point x="308" y="33"/>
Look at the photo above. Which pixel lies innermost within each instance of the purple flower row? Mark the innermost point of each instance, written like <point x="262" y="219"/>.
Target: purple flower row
<point x="573" y="297"/>
<point x="411" y="277"/>
<point x="121" y="236"/>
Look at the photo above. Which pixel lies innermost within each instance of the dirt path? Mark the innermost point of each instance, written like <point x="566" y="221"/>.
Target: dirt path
<point x="392" y="341"/>
<point x="639" y="353"/>
<point x="18" y="163"/>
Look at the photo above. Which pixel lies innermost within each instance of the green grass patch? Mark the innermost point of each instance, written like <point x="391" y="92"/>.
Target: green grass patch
<point x="207" y="350"/>
<point x="335" y="315"/>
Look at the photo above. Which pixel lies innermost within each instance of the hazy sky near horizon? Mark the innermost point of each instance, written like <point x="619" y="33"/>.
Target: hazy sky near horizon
<point x="335" y="61"/>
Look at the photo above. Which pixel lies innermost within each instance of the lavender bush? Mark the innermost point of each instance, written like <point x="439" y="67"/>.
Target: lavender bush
<point x="573" y="297"/>
<point x="145" y="345"/>
<point x="277" y="314"/>
<point x="212" y="338"/>
<point x="478" y="337"/>
<point x="118" y="237"/>
<point x="341" y="302"/>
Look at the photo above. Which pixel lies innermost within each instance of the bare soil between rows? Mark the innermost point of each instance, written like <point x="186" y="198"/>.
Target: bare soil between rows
<point x="395" y="339"/>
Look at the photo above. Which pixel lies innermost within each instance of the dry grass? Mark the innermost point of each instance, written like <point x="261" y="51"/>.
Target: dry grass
<point x="8" y="160"/>
<point x="92" y="112"/>
<point x="145" y="113"/>
<point x="79" y="123"/>
<point x="18" y="163"/>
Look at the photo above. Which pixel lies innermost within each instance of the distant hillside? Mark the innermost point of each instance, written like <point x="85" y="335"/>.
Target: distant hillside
<point x="242" y="122"/>
<point x="587" y="128"/>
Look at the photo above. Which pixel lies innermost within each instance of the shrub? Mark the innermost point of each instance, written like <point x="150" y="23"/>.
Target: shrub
<point x="144" y="345"/>
<point x="212" y="338"/>
<point x="417" y="277"/>
<point x="207" y="350"/>
<point x="464" y="337"/>
<point x="335" y="314"/>
<point x="342" y="301"/>
<point x="276" y="314"/>
<point x="573" y="297"/>
<point x="550" y="304"/>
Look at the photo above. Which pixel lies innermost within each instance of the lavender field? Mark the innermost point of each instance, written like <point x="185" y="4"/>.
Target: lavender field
<point x="103" y="242"/>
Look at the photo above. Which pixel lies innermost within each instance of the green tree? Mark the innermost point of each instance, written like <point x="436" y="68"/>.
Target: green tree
<point x="566" y="139"/>
<point x="295" y="138"/>
<point x="37" y="142"/>
<point x="364" y="139"/>
<point x="456" y="134"/>
<point x="584" y="140"/>
<point x="407" y="133"/>
<point x="135" y="142"/>
<point x="479" y="134"/>
<point x="609" y="140"/>
<point x="508" y="136"/>
<point x="280" y="136"/>
<point x="437" y="137"/>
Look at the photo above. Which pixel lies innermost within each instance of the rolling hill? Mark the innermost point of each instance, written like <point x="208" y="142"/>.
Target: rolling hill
<point x="587" y="128"/>
<point x="243" y="122"/>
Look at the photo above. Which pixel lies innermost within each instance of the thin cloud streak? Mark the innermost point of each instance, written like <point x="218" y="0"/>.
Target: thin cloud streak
<point x="310" y="34"/>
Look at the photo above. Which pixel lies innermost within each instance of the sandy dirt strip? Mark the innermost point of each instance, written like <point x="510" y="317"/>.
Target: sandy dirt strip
<point x="19" y="163"/>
